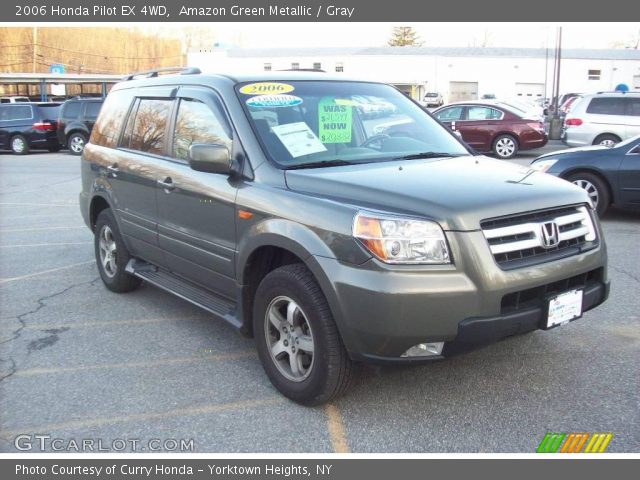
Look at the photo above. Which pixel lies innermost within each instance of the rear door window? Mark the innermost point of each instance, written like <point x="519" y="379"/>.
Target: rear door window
<point x="483" y="113"/>
<point x="607" y="106"/>
<point x="149" y="127"/>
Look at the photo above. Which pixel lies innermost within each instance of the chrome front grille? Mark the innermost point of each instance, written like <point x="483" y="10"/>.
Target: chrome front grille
<point x="537" y="237"/>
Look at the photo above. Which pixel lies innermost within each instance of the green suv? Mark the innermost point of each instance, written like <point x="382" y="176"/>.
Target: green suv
<point x="276" y="204"/>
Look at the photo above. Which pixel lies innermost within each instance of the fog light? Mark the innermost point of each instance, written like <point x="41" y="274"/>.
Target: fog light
<point x="424" y="350"/>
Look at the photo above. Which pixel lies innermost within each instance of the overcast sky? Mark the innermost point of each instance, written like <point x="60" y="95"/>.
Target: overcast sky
<point x="575" y="35"/>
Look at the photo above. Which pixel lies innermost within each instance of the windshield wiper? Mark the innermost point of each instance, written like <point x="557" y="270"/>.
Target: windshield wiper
<point x="322" y="163"/>
<point x="417" y="156"/>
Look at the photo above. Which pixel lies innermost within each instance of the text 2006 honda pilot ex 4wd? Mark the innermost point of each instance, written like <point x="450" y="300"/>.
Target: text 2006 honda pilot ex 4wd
<point x="268" y="201"/>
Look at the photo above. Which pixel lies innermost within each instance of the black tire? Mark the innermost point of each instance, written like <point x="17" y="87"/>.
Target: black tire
<point x="76" y="143"/>
<point x="19" y="145"/>
<point x="505" y="146"/>
<point x="54" y="149"/>
<point x="607" y="140"/>
<point x="588" y="182"/>
<point x="116" y="280"/>
<point x="331" y="370"/>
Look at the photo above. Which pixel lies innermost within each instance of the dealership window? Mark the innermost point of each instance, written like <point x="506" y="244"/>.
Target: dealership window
<point x="339" y="67"/>
<point x="295" y="66"/>
<point x="317" y="66"/>
<point x="594" y="74"/>
<point x="267" y="67"/>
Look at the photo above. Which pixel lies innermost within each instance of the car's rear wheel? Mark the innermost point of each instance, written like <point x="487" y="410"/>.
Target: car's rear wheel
<point x="76" y="143"/>
<point x="606" y="140"/>
<point x="112" y="255"/>
<point x="505" y="146"/>
<point x="596" y="189"/>
<point x="297" y="339"/>
<point x="19" y="145"/>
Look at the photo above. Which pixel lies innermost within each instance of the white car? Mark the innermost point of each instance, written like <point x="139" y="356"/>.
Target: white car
<point x="15" y="99"/>
<point x="602" y="119"/>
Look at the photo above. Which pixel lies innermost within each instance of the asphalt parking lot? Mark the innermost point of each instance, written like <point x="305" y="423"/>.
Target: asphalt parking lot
<point x="79" y="362"/>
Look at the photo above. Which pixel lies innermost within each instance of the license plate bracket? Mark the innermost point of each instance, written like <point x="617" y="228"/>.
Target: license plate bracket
<point x="564" y="308"/>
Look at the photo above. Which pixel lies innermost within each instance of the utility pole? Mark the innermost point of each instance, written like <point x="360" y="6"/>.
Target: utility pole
<point x="34" y="31"/>
<point x="555" y="128"/>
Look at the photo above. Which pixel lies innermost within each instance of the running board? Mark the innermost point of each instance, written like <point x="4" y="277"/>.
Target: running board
<point x="184" y="289"/>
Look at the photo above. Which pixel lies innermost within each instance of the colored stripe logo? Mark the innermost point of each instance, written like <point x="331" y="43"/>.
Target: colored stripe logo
<point x="574" y="442"/>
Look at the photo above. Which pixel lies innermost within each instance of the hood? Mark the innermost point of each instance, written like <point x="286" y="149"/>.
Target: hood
<point x="456" y="192"/>
<point x="566" y="151"/>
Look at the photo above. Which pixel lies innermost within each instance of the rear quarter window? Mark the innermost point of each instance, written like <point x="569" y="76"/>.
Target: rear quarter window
<point x="71" y="110"/>
<point x="20" y="112"/>
<point x="112" y="115"/>
<point x="606" y="106"/>
<point x="49" y="112"/>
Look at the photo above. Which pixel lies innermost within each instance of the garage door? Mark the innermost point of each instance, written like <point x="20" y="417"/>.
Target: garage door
<point x="530" y="90"/>
<point x="460" y="91"/>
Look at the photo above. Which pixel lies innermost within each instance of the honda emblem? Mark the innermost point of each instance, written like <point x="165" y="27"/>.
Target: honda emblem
<point x="550" y="234"/>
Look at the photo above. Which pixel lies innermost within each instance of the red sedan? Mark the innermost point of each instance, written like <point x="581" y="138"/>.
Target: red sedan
<point x="493" y="127"/>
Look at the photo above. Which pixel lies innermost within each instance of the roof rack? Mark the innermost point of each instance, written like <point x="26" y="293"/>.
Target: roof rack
<point x="155" y="72"/>
<point x="317" y="70"/>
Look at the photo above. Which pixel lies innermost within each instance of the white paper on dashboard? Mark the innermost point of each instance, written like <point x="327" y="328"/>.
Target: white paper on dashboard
<point x="298" y="139"/>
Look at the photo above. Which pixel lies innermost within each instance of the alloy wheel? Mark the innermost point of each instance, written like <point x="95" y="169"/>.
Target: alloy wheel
<point x="18" y="144"/>
<point x="591" y="190"/>
<point x="77" y="144"/>
<point x="107" y="246"/>
<point x="289" y="338"/>
<point x="505" y="147"/>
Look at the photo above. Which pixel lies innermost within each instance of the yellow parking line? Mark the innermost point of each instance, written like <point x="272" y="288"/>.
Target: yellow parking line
<point x="178" y="412"/>
<point x="24" y="245"/>
<point x="336" y="429"/>
<point x="35" y="229"/>
<point x="151" y="363"/>
<point x="107" y="323"/>
<point x="35" y="274"/>
<point x="40" y="204"/>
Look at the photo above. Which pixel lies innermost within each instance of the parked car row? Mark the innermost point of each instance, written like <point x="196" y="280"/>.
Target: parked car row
<point x="26" y="126"/>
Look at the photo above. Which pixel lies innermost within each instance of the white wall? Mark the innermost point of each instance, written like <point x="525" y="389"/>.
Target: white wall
<point x="496" y="75"/>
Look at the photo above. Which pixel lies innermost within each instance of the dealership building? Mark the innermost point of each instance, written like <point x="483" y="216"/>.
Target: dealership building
<point x="456" y="73"/>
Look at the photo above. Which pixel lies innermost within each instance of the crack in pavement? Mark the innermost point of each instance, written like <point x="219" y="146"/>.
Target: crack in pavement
<point x="21" y="319"/>
<point x="624" y="272"/>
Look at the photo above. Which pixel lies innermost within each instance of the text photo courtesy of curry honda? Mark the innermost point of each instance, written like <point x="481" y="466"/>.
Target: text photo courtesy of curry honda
<point x="350" y="239"/>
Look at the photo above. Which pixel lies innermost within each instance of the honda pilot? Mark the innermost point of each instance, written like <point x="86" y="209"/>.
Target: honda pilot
<point x="269" y="201"/>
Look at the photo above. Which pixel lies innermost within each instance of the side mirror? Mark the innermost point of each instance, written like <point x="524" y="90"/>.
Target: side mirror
<point x="212" y="158"/>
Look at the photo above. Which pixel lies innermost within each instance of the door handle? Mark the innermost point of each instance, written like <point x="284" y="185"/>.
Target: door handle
<point x="167" y="184"/>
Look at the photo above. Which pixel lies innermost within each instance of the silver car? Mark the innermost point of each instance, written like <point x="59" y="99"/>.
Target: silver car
<point x="602" y="119"/>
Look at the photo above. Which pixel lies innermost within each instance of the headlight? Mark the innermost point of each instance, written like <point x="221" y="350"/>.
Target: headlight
<point x="401" y="240"/>
<point x="544" y="165"/>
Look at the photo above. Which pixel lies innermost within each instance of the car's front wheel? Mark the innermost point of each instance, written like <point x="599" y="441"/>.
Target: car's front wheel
<point x="505" y="146"/>
<point x="112" y="255"/>
<point x="76" y="143"/>
<point x="297" y="339"/>
<point x="596" y="189"/>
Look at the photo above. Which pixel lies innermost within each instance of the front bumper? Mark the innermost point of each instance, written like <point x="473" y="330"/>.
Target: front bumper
<point x="382" y="310"/>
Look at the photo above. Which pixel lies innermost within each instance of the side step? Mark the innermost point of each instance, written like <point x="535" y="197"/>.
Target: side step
<point x="186" y="290"/>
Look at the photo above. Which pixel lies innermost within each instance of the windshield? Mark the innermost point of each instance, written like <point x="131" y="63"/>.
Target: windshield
<point x="322" y="123"/>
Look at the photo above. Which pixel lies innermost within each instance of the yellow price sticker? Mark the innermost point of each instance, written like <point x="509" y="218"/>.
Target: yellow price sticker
<point x="266" y="88"/>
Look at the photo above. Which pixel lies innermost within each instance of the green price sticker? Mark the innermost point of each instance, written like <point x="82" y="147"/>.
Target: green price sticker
<point x="335" y="121"/>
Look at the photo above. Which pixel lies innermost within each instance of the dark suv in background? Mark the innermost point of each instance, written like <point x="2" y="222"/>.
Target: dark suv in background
<point x="76" y="121"/>
<point x="26" y="126"/>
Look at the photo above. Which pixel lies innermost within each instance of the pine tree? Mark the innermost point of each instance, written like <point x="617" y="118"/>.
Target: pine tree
<point x="403" y="37"/>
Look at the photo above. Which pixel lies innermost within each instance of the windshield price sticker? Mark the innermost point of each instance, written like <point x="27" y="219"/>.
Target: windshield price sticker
<point x="266" y="101"/>
<point x="298" y="139"/>
<point x="335" y="121"/>
<point x="266" y="88"/>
